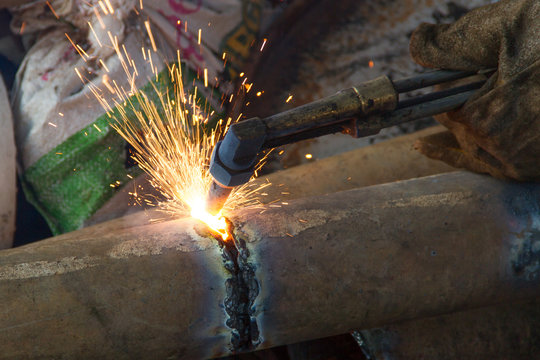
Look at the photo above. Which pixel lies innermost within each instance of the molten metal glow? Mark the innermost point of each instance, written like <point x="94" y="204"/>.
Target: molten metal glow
<point x="170" y="133"/>
<point x="214" y="222"/>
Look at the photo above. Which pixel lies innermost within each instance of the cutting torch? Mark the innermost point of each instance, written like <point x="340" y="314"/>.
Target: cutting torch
<point x="358" y="111"/>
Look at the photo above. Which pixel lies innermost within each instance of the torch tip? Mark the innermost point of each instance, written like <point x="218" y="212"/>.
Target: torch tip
<point x="216" y="197"/>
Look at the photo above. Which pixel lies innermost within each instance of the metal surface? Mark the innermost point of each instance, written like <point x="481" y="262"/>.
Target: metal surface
<point x="388" y="161"/>
<point x="392" y="252"/>
<point x="124" y="289"/>
<point x="501" y="332"/>
<point x="127" y="290"/>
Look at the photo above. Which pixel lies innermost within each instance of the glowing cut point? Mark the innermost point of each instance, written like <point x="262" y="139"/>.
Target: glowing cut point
<point x="217" y="223"/>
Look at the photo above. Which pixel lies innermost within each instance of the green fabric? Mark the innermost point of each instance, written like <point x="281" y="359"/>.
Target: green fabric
<point x="73" y="181"/>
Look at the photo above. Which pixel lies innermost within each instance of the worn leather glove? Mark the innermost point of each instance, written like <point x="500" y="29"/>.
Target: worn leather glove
<point x="497" y="131"/>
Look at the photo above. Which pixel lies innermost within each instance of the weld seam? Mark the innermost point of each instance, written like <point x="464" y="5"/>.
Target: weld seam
<point x="242" y="289"/>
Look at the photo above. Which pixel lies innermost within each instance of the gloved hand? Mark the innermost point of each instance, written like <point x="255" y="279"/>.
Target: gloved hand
<point x="497" y="131"/>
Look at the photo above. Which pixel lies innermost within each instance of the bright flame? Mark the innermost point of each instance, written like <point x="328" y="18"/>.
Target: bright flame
<point x="172" y="140"/>
<point x="214" y="222"/>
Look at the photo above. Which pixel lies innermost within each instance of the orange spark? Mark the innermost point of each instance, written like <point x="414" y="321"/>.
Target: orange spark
<point x="52" y="10"/>
<point x="149" y="30"/>
<point x="103" y="7"/>
<point x="109" y="6"/>
<point x="103" y="64"/>
<point x="95" y="35"/>
<point x="76" y="47"/>
<point x="98" y="16"/>
<point x="170" y="135"/>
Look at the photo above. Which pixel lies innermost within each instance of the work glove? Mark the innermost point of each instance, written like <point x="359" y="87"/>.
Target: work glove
<point x="497" y="131"/>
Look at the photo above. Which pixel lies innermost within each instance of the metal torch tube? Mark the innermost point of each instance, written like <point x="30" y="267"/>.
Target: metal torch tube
<point x="371" y="97"/>
<point x="317" y="267"/>
<point x="428" y="79"/>
<point x="217" y="197"/>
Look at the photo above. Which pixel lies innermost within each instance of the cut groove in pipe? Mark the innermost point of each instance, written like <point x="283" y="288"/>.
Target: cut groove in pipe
<point x="242" y="289"/>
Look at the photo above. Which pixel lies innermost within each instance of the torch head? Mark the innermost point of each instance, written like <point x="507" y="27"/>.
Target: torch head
<point x="233" y="160"/>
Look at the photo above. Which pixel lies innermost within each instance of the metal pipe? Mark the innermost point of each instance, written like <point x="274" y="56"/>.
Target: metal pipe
<point x="487" y="332"/>
<point x="429" y="78"/>
<point x="387" y="253"/>
<point x="439" y="94"/>
<point x="387" y="161"/>
<point x="426" y="109"/>
<point x="507" y="331"/>
<point x="123" y="289"/>
<point x="317" y="267"/>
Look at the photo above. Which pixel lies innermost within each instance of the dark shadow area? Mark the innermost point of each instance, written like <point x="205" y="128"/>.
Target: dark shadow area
<point x="29" y="224"/>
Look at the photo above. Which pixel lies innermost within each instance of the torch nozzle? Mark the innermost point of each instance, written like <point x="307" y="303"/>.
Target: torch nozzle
<point x="216" y="197"/>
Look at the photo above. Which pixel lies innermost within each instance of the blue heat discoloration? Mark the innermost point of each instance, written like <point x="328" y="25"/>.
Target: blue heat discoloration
<point x="522" y="203"/>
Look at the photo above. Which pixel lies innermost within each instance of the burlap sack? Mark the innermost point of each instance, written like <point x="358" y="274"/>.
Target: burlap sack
<point x="75" y="168"/>
<point x="8" y="195"/>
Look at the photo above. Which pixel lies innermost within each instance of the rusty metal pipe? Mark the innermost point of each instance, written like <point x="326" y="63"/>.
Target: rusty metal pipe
<point x="118" y="290"/>
<point x="317" y="267"/>
<point x="387" y="253"/>
<point x="387" y="161"/>
<point x="507" y="331"/>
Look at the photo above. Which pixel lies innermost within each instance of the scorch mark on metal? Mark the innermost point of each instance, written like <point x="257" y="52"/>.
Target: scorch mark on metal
<point x="38" y="269"/>
<point x="431" y="200"/>
<point x="294" y="224"/>
<point x="155" y="245"/>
